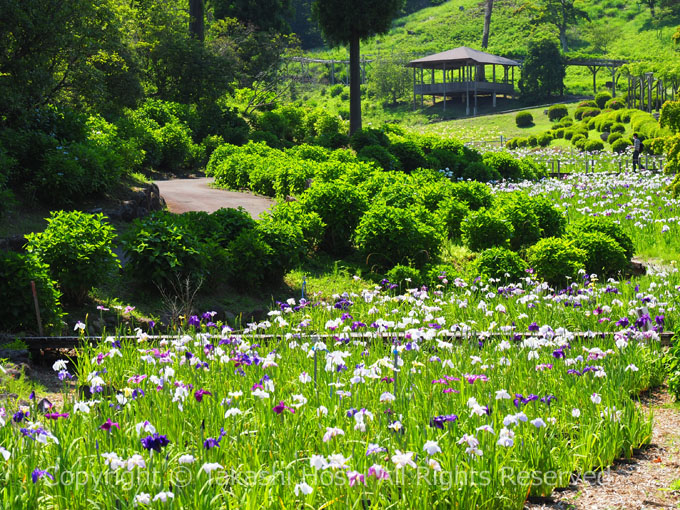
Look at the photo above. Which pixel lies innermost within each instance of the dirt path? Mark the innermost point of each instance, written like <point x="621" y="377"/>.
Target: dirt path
<point x="182" y="195"/>
<point x="642" y="484"/>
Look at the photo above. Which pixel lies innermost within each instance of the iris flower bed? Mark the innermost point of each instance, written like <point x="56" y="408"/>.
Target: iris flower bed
<point x="638" y="201"/>
<point x="466" y="395"/>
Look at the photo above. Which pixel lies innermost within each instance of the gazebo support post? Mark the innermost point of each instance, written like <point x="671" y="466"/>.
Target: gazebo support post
<point x="414" y="88"/>
<point x="422" y="86"/>
<point x="613" y="70"/>
<point x="444" y="88"/>
<point x="493" y="94"/>
<point x="476" y="77"/>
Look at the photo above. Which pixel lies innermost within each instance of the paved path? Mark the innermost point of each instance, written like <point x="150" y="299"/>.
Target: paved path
<point x="182" y="195"/>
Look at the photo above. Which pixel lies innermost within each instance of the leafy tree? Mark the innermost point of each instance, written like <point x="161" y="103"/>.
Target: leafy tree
<point x="263" y="14"/>
<point x="390" y="80"/>
<point x="543" y="70"/>
<point x="560" y="13"/>
<point x="347" y="22"/>
<point x="45" y="47"/>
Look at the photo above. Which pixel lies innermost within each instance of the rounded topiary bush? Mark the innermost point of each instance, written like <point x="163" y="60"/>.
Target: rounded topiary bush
<point x="604" y="256"/>
<point x="606" y="226"/>
<point x="602" y="98"/>
<point x="250" y="259"/>
<point x="613" y="137"/>
<point x="17" y="312"/>
<point x="452" y="211"/>
<point x="77" y="248"/>
<point x="475" y="194"/>
<point x="556" y="260"/>
<point x="524" y="119"/>
<point x="593" y="145"/>
<point x="484" y="229"/>
<point x="368" y="136"/>
<point x="533" y="141"/>
<point x="620" y="145"/>
<point x="500" y="263"/>
<point x="615" y="104"/>
<point x="389" y="235"/>
<point x="557" y="112"/>
<point x="617" y="127"/>
<point x="544" y="139"/>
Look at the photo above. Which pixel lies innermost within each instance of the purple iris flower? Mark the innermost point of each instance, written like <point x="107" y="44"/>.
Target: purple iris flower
<point x="438" y="421"/>
<point x="19" y="416"/>
<point x="199" y="394"/>
<point x="155" y="442"/>
<point x="281" y="406"/>
<point x="108" y="425"/>
<point x="194" y="321"/>
<point x="211" y="442"/>
<point x="533" y="327"/>
<point x="623" y="322"/>
<point x="39" y="473"/>
<point x="56" y="416"/>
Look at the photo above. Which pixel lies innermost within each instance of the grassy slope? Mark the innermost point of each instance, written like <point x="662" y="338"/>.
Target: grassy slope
<point x="637" y="35"/>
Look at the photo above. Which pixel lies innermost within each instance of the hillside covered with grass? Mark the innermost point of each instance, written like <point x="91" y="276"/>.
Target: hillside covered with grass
<point x="617" y="29"/>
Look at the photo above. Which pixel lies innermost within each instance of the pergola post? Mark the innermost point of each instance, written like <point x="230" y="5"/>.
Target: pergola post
<point x="650" y="80"/>
<point x="467" y="98"/>
<point x="422" y="86"/>
<point x="433" y="96"/>
<point x="493" y="94"/>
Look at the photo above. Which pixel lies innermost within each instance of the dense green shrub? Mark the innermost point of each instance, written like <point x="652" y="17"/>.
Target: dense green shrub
<point x="311" y="152"/>
<point x="340" y="206"/>
<point x="621" y="145"/>
<point x="484" y="229"/>
<point x="615" y="104"/>
<point x="617" y="128"/>
<point x="250" y="258"/>
<point x="440" y="275"/>
<point x="267" y="137"/>
<point x="588" y="103"/>
<point x="524" y="119"/>
<point x="160" y="248"/>
<point x="220" y="154"/>
<point x="517" y="208"/>
<point x="604" y="256"/>
<point x="578" y="136"/>
<point x="565" y="122"/>
<point x="77" y="248"/>
<point x="533" y="141"/>
<point x="17" y="312"/>
<point x="379" y="155"/>
<point x="388" y="235"/>
<point x="559" y="133"/>
<point x="406" y="277"/>
<point x="601" y="99"/>
<point x="551" y="220"/>
<point x="368" y="136"/>
<point x="670" y="116"/>
<point x="544" y="139"/>
<point x="593" y="145"/>
<point x="557" y="112"/>
<point x="580" y="143"/>
<point x="586" y="112"/>
<point x="409" y="154"/>
<point x="452" y="211"/>
<point x="336" y="90"/>
<point x="310" y="224"/>
<point x="656" y="146"/>
<point x="506" y="165"/>
<point x="613" y="137"/>
<point x="556" y="260"/>
<point x="475" y="194"/>
<point x="607" y="226"/>
<point x="479" y="172"/>
<point x="500" y="263"/>
<point x="287" y="242"/>
<point x="221" y="226"/>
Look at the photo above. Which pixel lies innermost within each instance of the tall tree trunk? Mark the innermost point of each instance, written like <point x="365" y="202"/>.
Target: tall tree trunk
<point x="563" y="39"/>
<point x="197" y="19"/>
<point x="487" y="24"/>
<point x="354" y="84"/>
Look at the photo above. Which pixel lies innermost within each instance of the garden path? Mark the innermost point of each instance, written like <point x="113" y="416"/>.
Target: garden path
<point x="183" y="195"/>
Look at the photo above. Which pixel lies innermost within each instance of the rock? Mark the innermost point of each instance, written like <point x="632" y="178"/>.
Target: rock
<point x="604" y="136"/>
<point x="290" y="199"/>
<point x="15" y="356"/>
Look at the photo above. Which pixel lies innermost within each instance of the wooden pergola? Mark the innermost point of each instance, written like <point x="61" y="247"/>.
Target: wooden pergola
<point x="471" y="78"/>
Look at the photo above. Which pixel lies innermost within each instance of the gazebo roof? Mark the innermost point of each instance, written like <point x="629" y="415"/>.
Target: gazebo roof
<point x="460" y="56"/>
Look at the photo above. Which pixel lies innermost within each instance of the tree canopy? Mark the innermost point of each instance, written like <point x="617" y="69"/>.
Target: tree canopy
<point x="543" y="70"/>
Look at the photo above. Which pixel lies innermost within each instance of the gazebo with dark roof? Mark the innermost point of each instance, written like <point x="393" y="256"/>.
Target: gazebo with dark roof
<point x="470" y="79"/>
